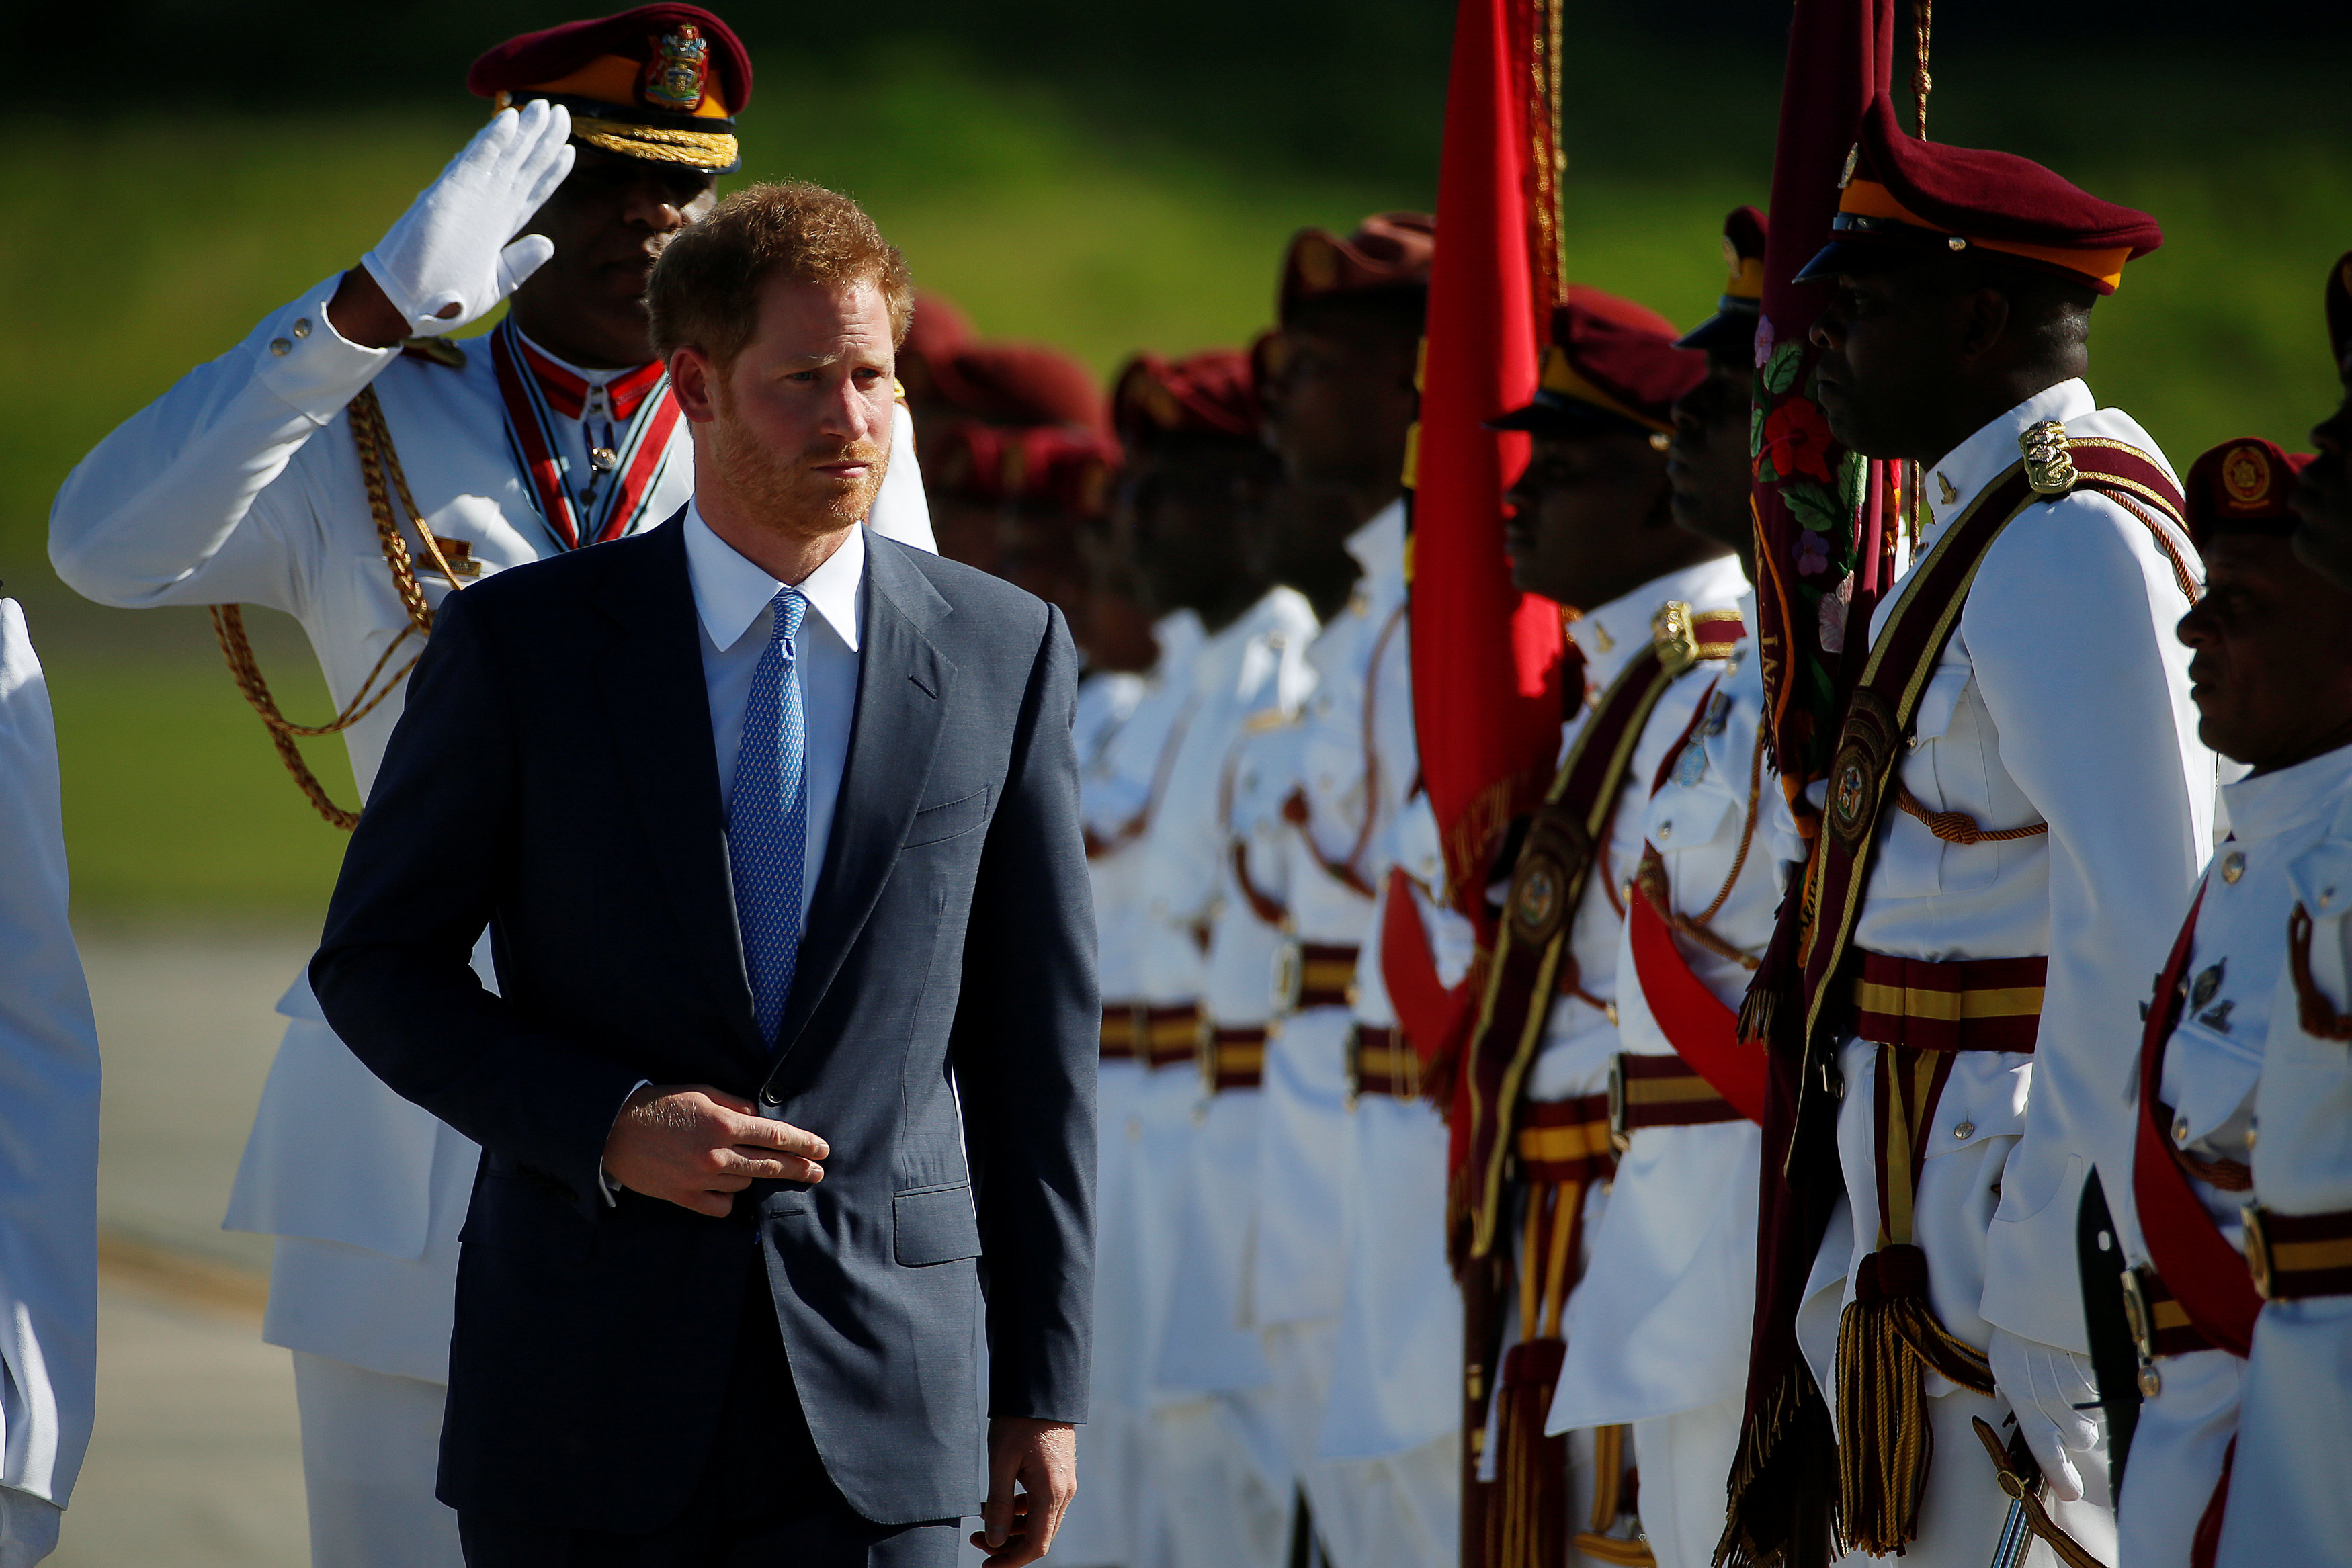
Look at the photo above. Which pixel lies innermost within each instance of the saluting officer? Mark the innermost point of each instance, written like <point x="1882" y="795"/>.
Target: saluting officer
<point x="1658" y="1331"/>
<point x="1593" y="527"/>
<point x="2017" y="799"/>
<point x="1351" y="311"/>
<point x="2288" y="1502"/>
<point x="2272" y="673"/>
<point x="348" y="464"/>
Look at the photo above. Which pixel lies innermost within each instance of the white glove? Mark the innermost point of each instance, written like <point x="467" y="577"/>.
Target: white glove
<point x="2048" y="1388"/>
<point x="29" y="1528"/>
<point x="450" y="247"/>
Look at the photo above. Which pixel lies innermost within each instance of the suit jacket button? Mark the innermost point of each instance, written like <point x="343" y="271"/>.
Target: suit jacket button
<point x="770" y="1097"/>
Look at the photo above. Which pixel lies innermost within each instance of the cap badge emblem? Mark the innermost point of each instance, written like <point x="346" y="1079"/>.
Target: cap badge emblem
<point x="1318" y="262"/>
<point x="2049" y="461"/>
<point x="2246" y="476"/>
<point x="680" y="66"/>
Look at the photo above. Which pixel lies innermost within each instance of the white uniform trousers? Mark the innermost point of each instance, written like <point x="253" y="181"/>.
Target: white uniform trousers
<point x="2290" y="1488"/>
<point x="1216" y="1507"/>
<point x="2175" y="1456"/>
<point x="1685" y="1460"/>
<point x="370" y="1446"/>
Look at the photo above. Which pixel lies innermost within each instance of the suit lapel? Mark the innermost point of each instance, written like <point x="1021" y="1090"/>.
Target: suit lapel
<point x="650" y="674"/>
<point x="902" y="692"/>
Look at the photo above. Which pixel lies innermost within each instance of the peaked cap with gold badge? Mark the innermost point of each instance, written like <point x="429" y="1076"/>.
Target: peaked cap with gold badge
<point x="661" y="83"/>
<point x="1732" y="327"/>
<point x="2243" y="486"/>
<point x="1610" y="364"/>
<point x="1387" y="252"/>
<point x="1903" y="197"/>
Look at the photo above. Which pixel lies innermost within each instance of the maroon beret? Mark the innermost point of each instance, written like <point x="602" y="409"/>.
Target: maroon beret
<point x="1019" y="384"/>
<point x="1208" y="394"/>
<point x="1388" y="251"/>
<point x="1058" y="468"/>
<point x="1737" y="309"/>
<point x="2242" y="487"/>
<point x="1902" y="191"/>
<point x="1611" y="363"/>
<point x="966" y="460"/>
<point x="661" y="83"/>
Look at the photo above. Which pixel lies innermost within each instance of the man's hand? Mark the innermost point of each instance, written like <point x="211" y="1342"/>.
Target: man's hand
<point x="448" y="260"/>
<point x="697" y="1146"/>
<point x="1042" y="1456"/>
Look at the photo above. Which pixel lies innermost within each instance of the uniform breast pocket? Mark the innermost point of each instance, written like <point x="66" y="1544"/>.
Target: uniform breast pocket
<point x="949" y="819"/>
<point x="934" y="1225"/>
<point x="1944" y="770"/>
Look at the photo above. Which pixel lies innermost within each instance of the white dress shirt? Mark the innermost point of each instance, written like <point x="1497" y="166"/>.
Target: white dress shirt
<point x="733" y="600"/>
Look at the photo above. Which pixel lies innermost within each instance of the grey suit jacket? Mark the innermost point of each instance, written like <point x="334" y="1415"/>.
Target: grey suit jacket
<point x="555" y="775"/>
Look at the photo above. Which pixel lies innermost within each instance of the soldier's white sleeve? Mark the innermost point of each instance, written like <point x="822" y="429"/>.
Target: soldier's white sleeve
<point x="901" y="512"/>
<point x="157" y="513"/>
<point x="2069" y="627"/>
<point x="2288" y="1500"/>
<point x="48" y="1122"/>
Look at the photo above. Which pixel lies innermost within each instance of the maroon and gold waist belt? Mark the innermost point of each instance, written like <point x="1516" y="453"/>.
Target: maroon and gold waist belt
<point x="1233" y="1058"/>
<point x="1155" y="1036"/>
<point x="1382" y="1061"/>
<point x="1971" y="1004"/>
<point x="1565" y="1140"/>
<point x="1314" y="974"/>
<point x="1661" y="1091"/>
<point x="2294" y="1256"/>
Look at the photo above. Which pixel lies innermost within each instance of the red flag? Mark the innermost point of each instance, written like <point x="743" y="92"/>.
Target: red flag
<point x="1486" y="657"/>
<point x="1823" y="521"/>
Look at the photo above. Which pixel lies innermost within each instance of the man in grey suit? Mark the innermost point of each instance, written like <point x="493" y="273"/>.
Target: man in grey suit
<point x="789" y="1083"/>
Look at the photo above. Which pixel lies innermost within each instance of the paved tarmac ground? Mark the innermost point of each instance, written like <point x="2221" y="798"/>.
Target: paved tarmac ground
<point x="196" y="1458"/>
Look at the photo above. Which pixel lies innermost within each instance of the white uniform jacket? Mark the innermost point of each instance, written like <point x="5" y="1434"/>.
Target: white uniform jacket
<point x="1251" y="675"/>
<point x="1659" y="1325"/>
<point x="2289" y="1503"/>
<point x="2062" y="697"/>
<point x="1579" y="1038"/>
<point x="241" y="485"/>
<point x="49" y="1119"/>
<point x="2239" y="989"/>
<point x="1352" y="777"/>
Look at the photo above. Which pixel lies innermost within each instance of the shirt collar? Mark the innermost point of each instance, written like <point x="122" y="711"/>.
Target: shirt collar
<point x="2265" y="805"/>
<point x="1378" y="548"/>
<point x="567" y="385"/>
<point x="729" y="590"/>
<point x="1962" y="474"/>
<point x="1613" y="633"/>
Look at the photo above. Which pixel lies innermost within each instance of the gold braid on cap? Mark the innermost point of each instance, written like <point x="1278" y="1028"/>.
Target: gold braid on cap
<point x="656" y="144"/>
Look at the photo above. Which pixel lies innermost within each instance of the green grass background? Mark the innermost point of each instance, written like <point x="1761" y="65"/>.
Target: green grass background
<point x="132" y="249"/>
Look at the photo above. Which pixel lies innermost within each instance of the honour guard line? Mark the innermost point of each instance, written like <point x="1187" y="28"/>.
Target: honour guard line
<point x="1628" y="866"/>
<point x="261" y="478"/>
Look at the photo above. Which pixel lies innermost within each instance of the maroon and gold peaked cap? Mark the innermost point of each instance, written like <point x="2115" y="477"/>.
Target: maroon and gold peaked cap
<point x="661" y="83"/>
<point x="1742" y="303"/>
<point x="1388" y="251"/>
<point x="2242" y="487"/>
<point x="1900" y="190"/>
<point x="1208" y="394"/>
<point x="1611" y="363"/>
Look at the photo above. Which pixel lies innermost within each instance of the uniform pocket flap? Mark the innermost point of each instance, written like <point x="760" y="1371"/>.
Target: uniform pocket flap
<point x="1940" y="701"/>
<point x="949" y="819"/>
<point x="934" y="1225"/>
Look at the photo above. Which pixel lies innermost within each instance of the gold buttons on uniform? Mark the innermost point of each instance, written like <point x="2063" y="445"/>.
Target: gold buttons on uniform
<point x="280" y="347"/>
<point x="1964" y="1131"/>
<point x="2180" y="1130"/>
<point x="2233" y="865"/>
<point x="303" y="325"/>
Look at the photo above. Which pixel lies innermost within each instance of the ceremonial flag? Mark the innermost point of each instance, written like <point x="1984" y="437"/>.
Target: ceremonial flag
<point x="1824" y="532"/>
<point x="1485" y="657"/>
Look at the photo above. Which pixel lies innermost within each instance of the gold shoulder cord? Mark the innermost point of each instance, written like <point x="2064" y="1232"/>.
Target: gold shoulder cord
<point x="373" y="439"/>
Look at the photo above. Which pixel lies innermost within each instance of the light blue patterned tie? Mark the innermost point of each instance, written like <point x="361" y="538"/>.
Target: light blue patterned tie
<point x="767" y="822"/>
